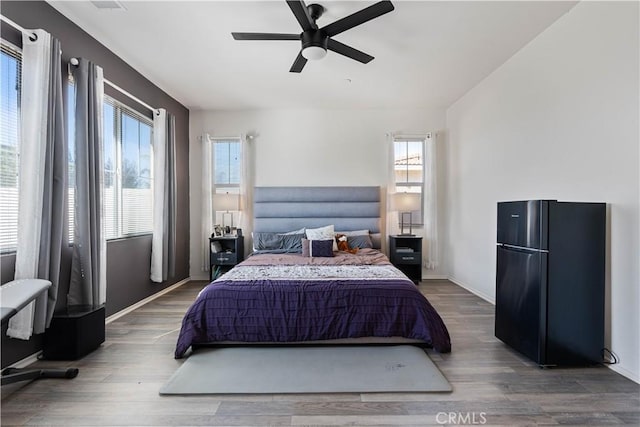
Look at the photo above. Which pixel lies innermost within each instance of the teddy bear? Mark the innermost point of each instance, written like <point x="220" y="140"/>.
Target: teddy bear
<point x="343" y="244"/>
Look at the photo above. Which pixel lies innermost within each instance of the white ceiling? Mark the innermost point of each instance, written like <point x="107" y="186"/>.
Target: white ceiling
<point x="427" y="53"/>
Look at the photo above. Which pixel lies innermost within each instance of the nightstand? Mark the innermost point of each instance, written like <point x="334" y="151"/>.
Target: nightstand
<point x="230" y="253"/>
<point x="405" y="252"/>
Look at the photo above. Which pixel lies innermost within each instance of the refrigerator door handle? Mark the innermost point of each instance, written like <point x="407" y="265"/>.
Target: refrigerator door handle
<point x="522" y="248"/>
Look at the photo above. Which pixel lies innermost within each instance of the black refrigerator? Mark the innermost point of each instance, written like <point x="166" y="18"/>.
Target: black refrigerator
<point x="550" y="280"/>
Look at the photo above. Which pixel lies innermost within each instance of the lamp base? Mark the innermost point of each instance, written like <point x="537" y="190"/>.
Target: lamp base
<point x="226" y="228"/>
<point x="402" y="233"/>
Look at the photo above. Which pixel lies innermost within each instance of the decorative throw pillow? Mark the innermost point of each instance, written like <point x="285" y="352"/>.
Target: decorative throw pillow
<point x="317" y="248"/>
<point x="360" y="241"/>
<point x="343" y="244"/>
<point x="292" y="242"/>
<point x="264" y="241"/>
<point x="322" y="233"/>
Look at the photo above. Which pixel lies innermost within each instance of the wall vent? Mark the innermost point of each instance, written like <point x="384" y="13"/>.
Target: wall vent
<point x="108" y="4"/>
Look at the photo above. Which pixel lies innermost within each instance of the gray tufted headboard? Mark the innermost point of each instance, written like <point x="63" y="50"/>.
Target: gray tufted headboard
<point x="282" y="209"/>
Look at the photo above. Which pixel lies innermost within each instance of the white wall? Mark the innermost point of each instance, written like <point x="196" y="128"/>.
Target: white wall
<point x="558" y="120"/>
<point x="308" y="147"/>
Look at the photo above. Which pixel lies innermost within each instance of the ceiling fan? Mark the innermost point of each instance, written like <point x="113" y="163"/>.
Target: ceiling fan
<point x="316" y="41"/>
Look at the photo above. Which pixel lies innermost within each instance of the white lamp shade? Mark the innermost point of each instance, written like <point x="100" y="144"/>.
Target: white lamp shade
<point x="314" y="52"/>
<point x="405" y="202"/>
<point x="226" y="202"/>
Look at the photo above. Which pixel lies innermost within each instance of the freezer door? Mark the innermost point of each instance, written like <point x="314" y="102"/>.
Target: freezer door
<point x="523" y="223"/>
<point x="520" y="319"/>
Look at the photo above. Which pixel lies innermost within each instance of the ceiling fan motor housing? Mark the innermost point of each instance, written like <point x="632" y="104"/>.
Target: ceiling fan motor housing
<point x="316" y="38"/>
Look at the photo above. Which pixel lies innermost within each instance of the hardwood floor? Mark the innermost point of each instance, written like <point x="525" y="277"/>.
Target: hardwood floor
<point x="118" y="383"/>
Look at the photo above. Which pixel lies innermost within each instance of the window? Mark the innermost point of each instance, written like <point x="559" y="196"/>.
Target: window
<point x="128" y="159"/>
<point x="227" y="158"/>
<point x="71" y="155"/>
<point x="409" y="170"/>
<point x="127" y="180"/>
<point x="227" y="163"/>
<point x="10" y="74"/>
<point x="128" y="197"/>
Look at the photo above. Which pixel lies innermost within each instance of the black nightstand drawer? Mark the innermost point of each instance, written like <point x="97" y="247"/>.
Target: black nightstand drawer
<point x="229" y="251"/>
<point x="405" y="252"/>
<point x="406" y="258"/>
<point x="225" y="258"/>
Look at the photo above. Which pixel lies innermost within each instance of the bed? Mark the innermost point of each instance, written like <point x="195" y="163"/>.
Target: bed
<point x="280" y="295"/>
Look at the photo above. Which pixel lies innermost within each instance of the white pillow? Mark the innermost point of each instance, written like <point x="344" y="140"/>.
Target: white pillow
<point x="322" y="233"/>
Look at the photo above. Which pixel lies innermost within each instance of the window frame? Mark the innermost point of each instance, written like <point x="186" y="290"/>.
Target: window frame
<point x="119" y="109"/>
<point x="230" y="187"/>
<point x="417" y="216"/>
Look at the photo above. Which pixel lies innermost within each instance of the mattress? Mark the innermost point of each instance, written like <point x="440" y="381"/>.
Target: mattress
<point x="289" y="298"/>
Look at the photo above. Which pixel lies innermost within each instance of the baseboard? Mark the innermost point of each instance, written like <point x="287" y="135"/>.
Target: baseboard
<point x="472" y="290"/>
<point x="616" y="368"/>
<point x="633" y="376"/>
<point x="140" y="303"/>
<point x="26" y="361"/>
<point x="35" y="356"/>
<point x="434" y="277"/>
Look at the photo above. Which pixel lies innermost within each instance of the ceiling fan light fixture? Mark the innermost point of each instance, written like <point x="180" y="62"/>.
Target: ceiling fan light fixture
<point x="314" y="52"/>
<point x="316" y="41"/>
<point x="314" y="44"/>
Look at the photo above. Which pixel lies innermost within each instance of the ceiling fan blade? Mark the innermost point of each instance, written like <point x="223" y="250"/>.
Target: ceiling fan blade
<point x="265" y="36"/>
<point x="298" y="64"/>
<point x="360" y="17"/>
<point x="301" y="13"/>
<point x="348" y="51"/>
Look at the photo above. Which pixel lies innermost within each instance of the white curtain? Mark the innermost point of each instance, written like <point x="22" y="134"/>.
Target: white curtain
<point x="392" y="215"/>
<point x="159" y="158"/>
<point x="36" y="59"/>
<point x="246" y="190"/>
<point x="206" y="198"/>
<point x="430" y="258"/>
<point x="164" y="195"/>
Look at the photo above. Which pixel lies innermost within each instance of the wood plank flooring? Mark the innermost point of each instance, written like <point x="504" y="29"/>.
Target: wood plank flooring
<point x="118" y="383"/>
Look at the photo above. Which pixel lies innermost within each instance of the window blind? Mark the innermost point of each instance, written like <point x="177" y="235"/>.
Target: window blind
<point x="10" y="72"/>
<point x="128" y="139"/>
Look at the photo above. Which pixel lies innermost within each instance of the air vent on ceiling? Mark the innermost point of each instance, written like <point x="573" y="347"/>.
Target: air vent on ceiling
<point x="108" y="4"/>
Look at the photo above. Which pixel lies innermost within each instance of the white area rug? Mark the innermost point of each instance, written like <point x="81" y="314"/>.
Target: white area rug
<point x="337" y="369"/>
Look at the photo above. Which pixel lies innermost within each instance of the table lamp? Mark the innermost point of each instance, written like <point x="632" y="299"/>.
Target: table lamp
<point x="226" y="202"/>
<point x="406" y="203"/>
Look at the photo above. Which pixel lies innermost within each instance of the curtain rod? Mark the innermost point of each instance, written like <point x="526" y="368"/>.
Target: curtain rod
<point x="74" y="61"/>
<point x="225" y="137"/>
<point x="421" y="136"/>
<point x="16" y="26"/>
<point x="124" y="92"/>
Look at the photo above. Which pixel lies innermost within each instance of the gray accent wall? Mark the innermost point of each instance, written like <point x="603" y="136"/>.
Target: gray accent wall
<point x="128" y="260"/>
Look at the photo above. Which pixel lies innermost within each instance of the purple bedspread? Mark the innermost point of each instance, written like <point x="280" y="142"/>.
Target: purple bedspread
<point x="257" y="302"/>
